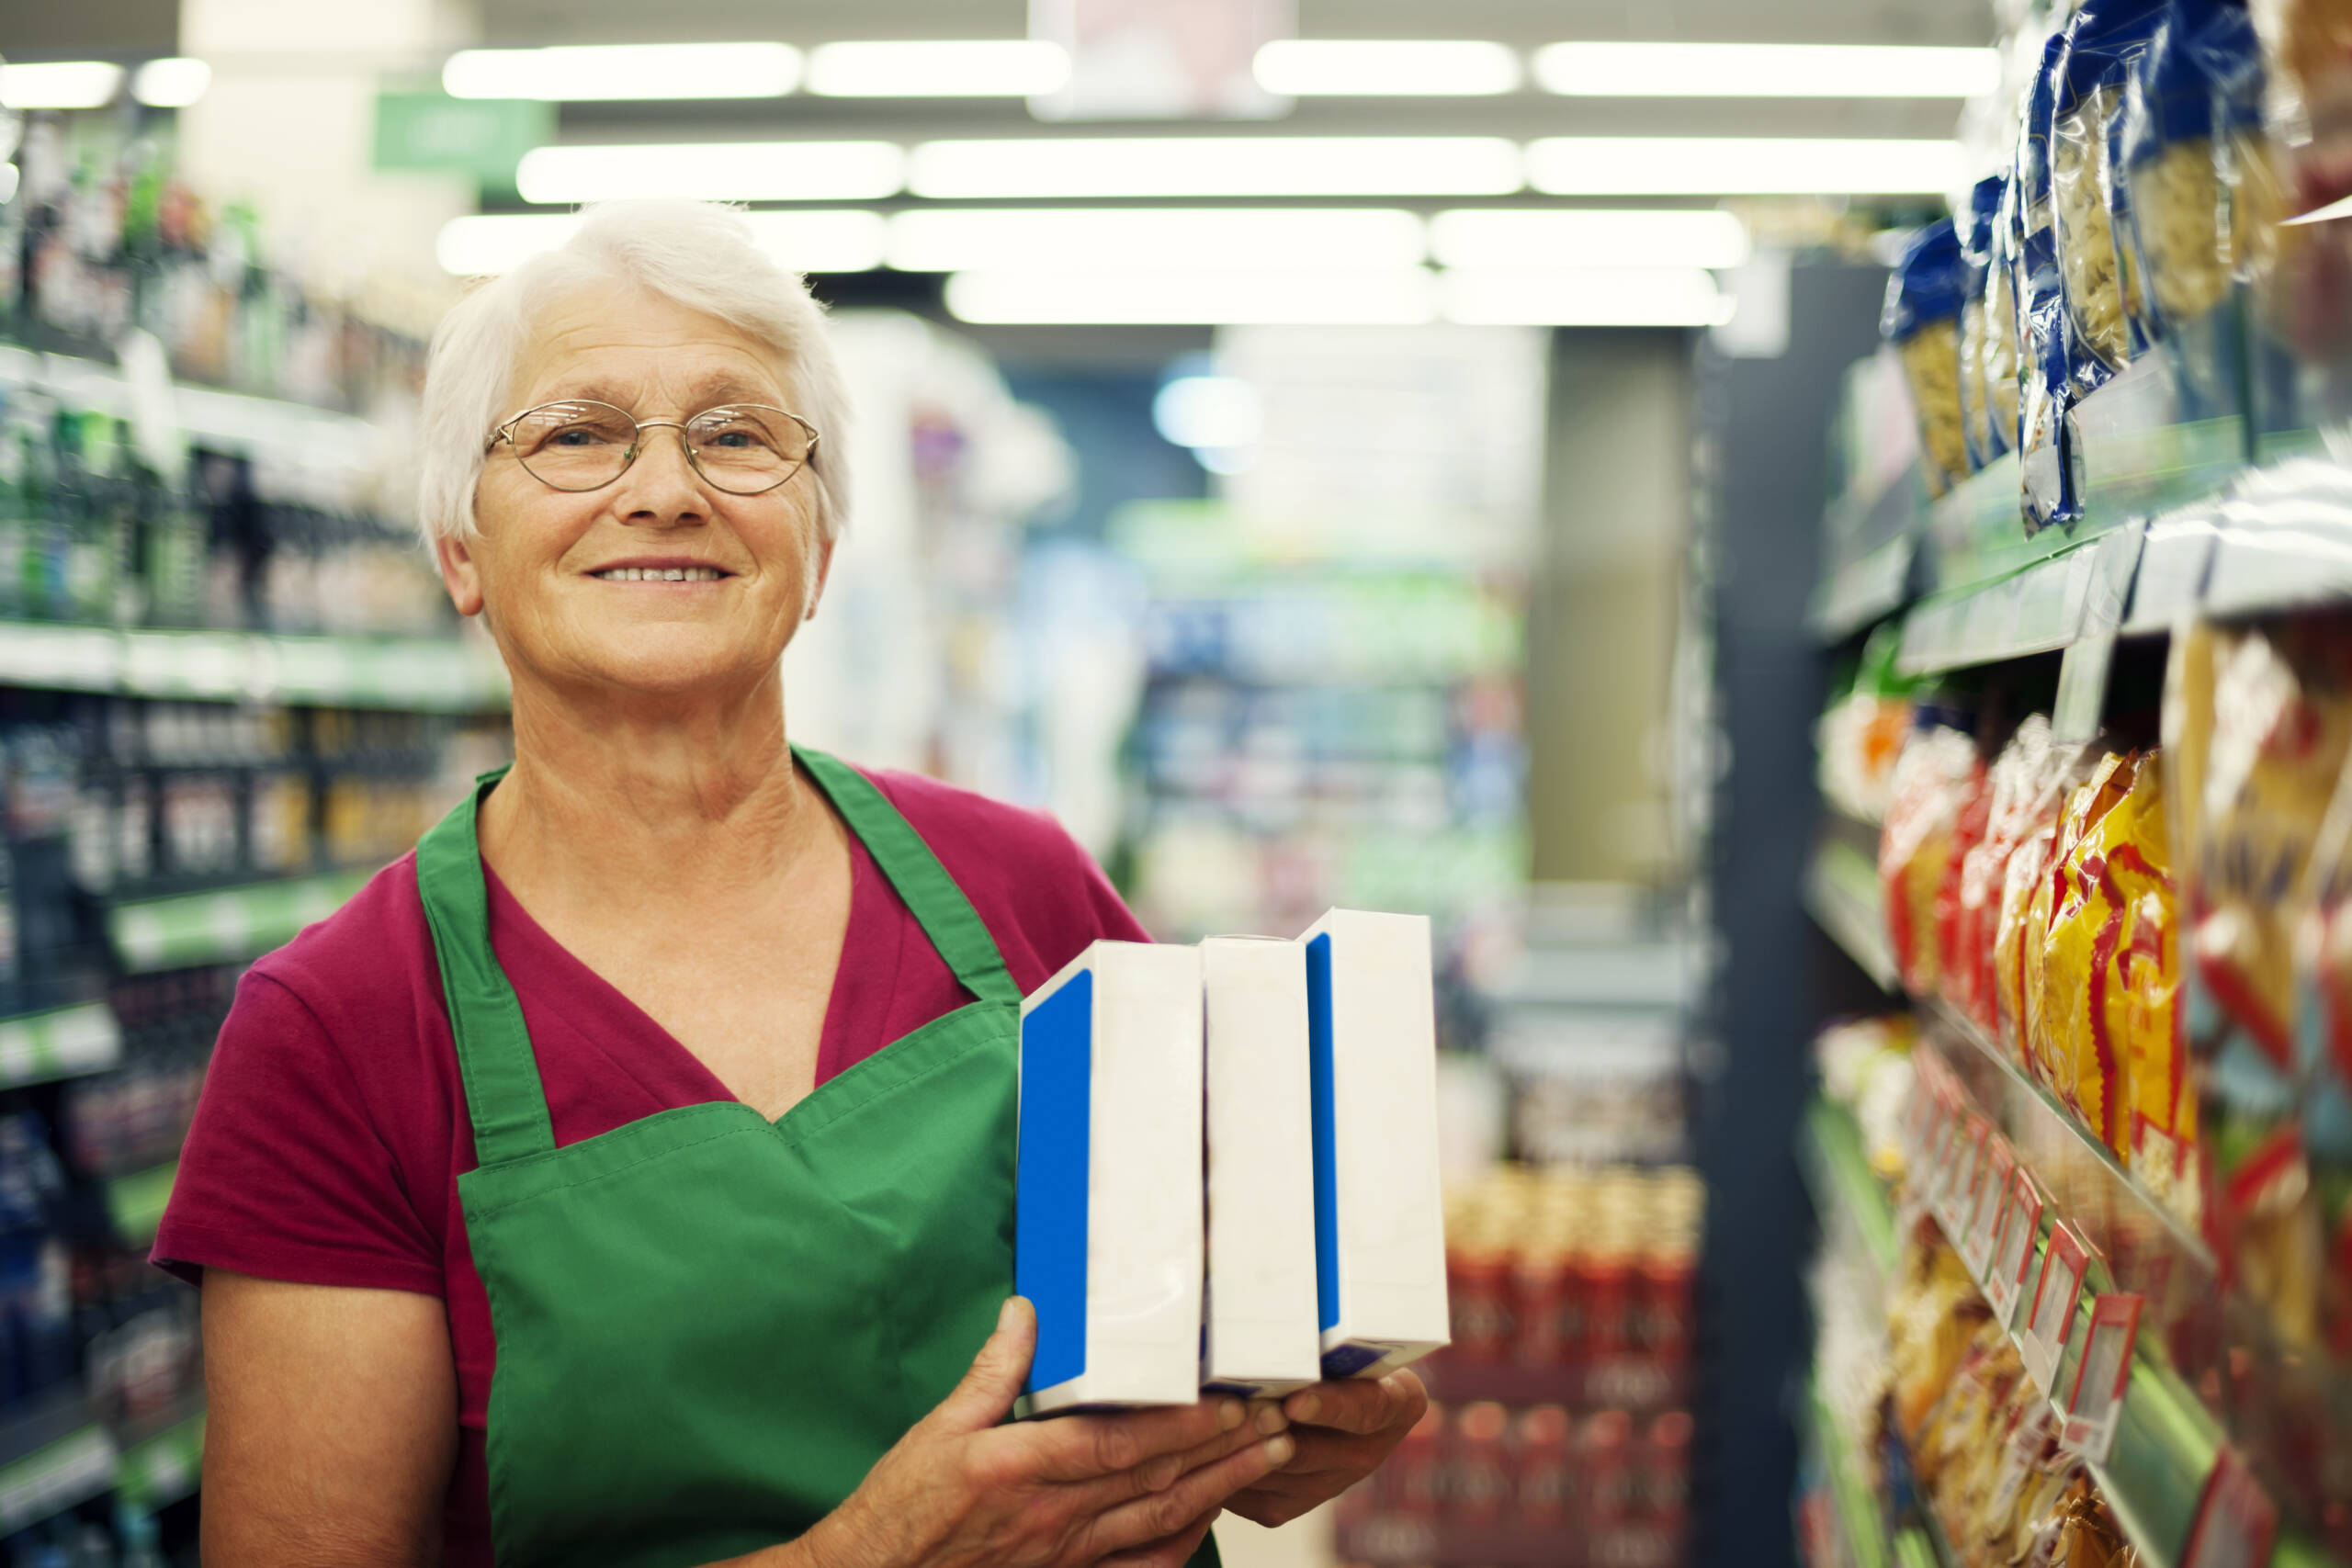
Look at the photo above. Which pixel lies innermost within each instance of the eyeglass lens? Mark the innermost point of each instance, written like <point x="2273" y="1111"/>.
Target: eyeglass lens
<point x="743" y="449"/>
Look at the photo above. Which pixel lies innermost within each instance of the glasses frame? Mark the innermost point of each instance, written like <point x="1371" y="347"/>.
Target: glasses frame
<point x="505" y="433"/>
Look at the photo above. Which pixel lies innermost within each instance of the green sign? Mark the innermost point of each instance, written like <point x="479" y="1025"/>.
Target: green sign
<point x="437" y="134"/>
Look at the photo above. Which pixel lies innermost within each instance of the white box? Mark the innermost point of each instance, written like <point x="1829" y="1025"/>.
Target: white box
<point x="1379" y="1218"/>
<point x="1259" y="1336"/>
<point x="1107" y="1174"/>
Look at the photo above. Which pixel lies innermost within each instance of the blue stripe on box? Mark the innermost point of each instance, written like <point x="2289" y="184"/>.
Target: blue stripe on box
<point x="1050" y="1177"/>
<point x="1318" y="1090"/>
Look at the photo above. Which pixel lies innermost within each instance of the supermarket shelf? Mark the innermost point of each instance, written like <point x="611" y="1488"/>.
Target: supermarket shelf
<point x="435" y="674"/>
<point x="2039" y="609"/>
<point x="226" y="925"/>
<point x="61" y="1043"/>
<point x="135" y="1201"/>
<point x="235" y="422"/>
<point x="1858" y="1512"/>
<point x="59" y="1455"/>
<point x="1841" y="892"/>
<point x="1864" y="590"/>
<point x="163" y="1466"/>
<point x="1837" y="1170"/>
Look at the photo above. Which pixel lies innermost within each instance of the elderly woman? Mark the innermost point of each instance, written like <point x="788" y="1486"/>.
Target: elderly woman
<point x="624" y="1176"/>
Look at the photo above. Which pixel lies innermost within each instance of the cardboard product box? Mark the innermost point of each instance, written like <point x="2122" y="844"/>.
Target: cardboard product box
<point x="1379" y="1216"/>
<point x="1107" y="1227"/>
<point x="1260" y="1337"/>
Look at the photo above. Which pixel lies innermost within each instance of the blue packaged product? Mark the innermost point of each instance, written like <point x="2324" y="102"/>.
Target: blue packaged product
<point x="2044" y="448"/>
<point x="1978" y="433"/>
<point x="2104" y="43"/>
<point x="2191" y="144"/>
<point x="1922" y="321"/>
<point x="2003" y="360"/>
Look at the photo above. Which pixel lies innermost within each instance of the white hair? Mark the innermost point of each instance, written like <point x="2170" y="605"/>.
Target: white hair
<point x="695" y="253"/>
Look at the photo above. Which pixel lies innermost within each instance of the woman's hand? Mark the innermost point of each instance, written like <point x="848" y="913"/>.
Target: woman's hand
<point x="1137" y="1490"/>
<point x="1343" y="1431"/>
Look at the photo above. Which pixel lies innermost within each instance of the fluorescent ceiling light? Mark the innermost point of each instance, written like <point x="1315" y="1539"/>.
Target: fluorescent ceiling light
<point x="957" y="68"/>
<point x="1597" y="297"/>
<point x="1395" y="295"/>
<point x="1079" y="239"/>
<point x="1509" y="237"/>
<point x="715" y="170"/>
<point x="1369" y="68"/>
<point x="171" y="83"/>
<point x="574" y="72"/>
<point x="60" y="84"/>
<point x="1218" y="165"/>
<point x="1729" y="165"/>
<point x="1215" y="411"/>
<point x="1766" y="71"/>
<point x="817" y="241"/>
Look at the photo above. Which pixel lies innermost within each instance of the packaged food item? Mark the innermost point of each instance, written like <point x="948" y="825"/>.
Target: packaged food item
<point x="2002" y="366"/>
<point x="1969" y="982"/>
<point x="1107" y="1228"/>
<point x="2046" y="447"/>
<point x="2191" y="143"/>
<point x="1932" y="780"/>
<point x="1933" y="1312"/>
<point x="1259" y="1335"/>
<point x="2106" y="41"/>
<point x="1954" y="959"/>
<point x="2301" y="269"/>
<point x="1861" y="733"/>
<point x="2049" y="772"/>
<point x="1922" y="321"/>
<point x="1980" y="435"/>
<point x="2056" y="979"/>
<point x="1379" y="1217"/>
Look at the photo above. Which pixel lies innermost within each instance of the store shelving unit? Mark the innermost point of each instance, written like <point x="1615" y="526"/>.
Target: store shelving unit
<point x="224" y="926"/>
<point x="58" y="1042"/>
<point x="61" y="1455"/>
<point x="441" y="674"/>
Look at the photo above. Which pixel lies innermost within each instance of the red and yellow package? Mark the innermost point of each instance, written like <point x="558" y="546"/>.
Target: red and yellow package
<point x="1914" y="847"/>
<point x="2058" y="966"/>
<point x="1970" y="982"/>
<point x="2023" y="877"/>
<point x="1954" y="964"/>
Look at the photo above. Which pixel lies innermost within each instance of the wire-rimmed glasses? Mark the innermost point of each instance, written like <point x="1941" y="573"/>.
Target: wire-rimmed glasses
<point x="578" y="444"/>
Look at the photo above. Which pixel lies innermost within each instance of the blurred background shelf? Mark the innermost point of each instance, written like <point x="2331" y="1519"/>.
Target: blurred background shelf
<point x="225" y="925"/>
<point x="59" y="1043"/>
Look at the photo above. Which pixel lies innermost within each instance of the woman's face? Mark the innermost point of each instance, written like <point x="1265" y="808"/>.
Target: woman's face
<point x="535" y="562"/>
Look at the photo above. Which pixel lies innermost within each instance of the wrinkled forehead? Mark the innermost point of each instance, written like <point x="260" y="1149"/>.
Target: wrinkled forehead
<point x="641" y="352"/>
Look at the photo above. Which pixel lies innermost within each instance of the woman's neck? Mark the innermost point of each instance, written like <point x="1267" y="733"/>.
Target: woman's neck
<point x="649" y="804"/>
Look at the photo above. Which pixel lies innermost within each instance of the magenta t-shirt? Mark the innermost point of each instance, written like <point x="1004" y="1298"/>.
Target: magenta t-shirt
<point x="333" y="1127"/>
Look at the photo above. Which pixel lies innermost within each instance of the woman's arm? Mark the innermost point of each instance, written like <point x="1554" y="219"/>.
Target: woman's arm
<point x="332" y="1426"/>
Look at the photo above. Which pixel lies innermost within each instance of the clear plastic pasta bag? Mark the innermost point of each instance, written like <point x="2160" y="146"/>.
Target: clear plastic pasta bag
<point x="1922" y="321"/>
<point x="1976" y="428"/>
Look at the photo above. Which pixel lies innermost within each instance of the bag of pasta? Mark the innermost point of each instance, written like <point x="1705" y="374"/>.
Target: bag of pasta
<point x="2105" y="40"/>
<point x="1933" y="1311"/>
<point x="2002" y="364"/>
<point x="2323" y="961"/>
<point x="1969" y="982"/>
<point x="2017" y="939"/>
<point x="2191" y="143"/>
<point x="1978" y="437"/>
<point x="1931" y="781"/>
<point x="2060" y="1029"/>
<point x="2304" y="271"/>
<point x="2045" y="446"/>
<point x="1922" y="321"/>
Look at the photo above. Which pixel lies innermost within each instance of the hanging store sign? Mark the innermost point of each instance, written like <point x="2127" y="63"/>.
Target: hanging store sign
<point x="434" y="133"/>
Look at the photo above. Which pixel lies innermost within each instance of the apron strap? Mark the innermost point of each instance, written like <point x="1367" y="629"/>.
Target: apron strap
<point x="502" y="1077"/>
<point x="938" y="905"/>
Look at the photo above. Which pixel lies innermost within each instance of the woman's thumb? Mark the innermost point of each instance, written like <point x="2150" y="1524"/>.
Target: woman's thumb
<point x="988" y="1389"/>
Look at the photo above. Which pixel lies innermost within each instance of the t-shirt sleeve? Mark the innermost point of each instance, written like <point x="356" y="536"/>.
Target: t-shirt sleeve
<point x="285" y="1174"/>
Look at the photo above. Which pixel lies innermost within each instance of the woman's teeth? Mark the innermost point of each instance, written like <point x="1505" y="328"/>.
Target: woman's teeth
<point x="661" y="574"/>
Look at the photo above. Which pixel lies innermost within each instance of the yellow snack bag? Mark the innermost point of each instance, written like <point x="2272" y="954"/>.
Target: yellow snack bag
<point x="2058" y="968"/>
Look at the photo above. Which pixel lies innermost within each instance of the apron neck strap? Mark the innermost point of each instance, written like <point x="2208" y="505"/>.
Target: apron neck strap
<point x="502" y="1078"/>
<point x="930" y="895"/>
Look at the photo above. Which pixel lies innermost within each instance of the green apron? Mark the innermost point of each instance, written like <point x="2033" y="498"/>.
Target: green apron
<point x="710" y="1326"/>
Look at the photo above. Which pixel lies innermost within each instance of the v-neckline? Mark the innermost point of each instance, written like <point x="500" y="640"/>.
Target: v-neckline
<point x="602" y="1014"/>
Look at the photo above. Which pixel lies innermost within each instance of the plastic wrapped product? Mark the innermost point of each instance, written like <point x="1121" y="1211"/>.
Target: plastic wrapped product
<point x="2051" y="778"/>
<point x="1932" y="781"/>
<point x="2044" y="444"/>
<point x="2306" y="269"/>
<point x="2056" y="988"/>
<point x="2002" y="361"/>
<point x="1955" y="962"/>
<point x="1978" y="433"/>
<point x="2107" y="36"/>
<point x="2191" y="143"/>
<point x="1922" y="321"/>
<point x="2012" y="782"/>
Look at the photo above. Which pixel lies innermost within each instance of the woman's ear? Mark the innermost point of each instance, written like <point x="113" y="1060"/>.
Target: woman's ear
<point x="461" y="573"/>
<point x="820" y="567"/>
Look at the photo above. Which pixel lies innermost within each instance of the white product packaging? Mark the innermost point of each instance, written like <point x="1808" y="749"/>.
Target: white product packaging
<point x="1259" y="1336"/>
<point x="1379" y="1216"/>
<point x="1107" y="1233"/>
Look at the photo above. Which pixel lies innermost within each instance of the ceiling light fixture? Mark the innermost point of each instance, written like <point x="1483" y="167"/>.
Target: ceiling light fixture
<point x="585" y="72"/>
<point x="1766" y="71"/>
<point x="1216" y="165"/>
<point x="172" y="84"/>
<point x="1081" y="239"/>
<point x="814" y="241"/>
<point x="1734" y="166"/>
<point x="1370" y="68"/>
<point x="947" y="68"/>
<point x="1512" y="237"/>
<point x="60" y="84"/>
<point x="714" y="171"/>
<point x="1574" y="297"/>
<point x="1395" y="295"/>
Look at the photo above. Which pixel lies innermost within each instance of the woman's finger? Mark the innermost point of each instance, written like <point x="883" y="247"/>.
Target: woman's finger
<point x="988" y="1389"/>
<point x="1159" y="1474"/>
<point x="1169" y="1513"/>
<point x="1358" y="1406"/>
<point x="1171" y="1552"/>
<point x="1086" y="1448"/>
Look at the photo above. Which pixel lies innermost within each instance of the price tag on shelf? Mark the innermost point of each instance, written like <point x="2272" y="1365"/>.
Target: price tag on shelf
<point x="1985" y="1207"/>
<point x="2013" y="1248"/>
<point x="2095" y="1402"/>
<point x="2235" y="1522"/>
<point x="1967" y="1161"/>
<point x="2052" y="1316"/>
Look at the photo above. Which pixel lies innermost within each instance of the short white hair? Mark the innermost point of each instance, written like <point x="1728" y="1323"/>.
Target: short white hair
<point x="695" y="254"/>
